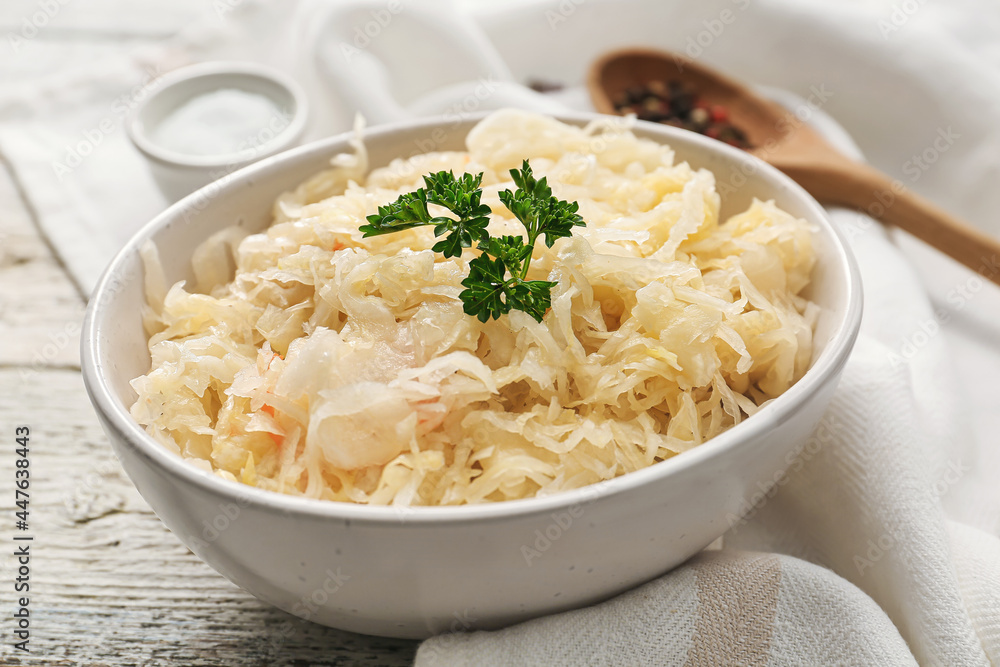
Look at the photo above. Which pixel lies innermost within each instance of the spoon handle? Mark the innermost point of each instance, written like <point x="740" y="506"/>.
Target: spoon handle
<point x="860" y="186"/>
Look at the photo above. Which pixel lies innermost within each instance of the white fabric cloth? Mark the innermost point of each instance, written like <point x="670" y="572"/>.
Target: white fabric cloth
<point x="883" y="542"/>
<point x="720" y="608"/>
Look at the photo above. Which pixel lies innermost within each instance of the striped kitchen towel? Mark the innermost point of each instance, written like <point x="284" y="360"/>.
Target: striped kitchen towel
<point x="721" y="608"/>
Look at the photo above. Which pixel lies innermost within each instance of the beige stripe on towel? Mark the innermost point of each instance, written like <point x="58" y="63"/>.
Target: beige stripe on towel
<point x="738" y="600"/>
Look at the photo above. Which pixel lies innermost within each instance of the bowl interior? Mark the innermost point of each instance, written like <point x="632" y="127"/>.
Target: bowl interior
<point x="117" y="349"/>
<point x="181" y="86"/>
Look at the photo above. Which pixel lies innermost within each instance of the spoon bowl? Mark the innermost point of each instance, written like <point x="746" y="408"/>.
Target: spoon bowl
<point x="615" y="73"/>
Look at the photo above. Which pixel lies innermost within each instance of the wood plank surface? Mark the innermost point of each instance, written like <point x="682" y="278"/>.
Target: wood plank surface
<point x="40" y="308"/>
<point x="110" y="585"/>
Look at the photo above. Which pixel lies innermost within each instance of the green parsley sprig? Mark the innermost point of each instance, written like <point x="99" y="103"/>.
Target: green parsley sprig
<point x="497" y="281"/>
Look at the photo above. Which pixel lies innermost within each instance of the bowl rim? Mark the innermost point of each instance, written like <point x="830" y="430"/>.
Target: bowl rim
<point x="284" y="139"/>
<point x="826" y="367"/>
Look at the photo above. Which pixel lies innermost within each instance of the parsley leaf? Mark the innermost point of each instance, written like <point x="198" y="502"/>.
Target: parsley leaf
<point x="460" y="196"/>
<point x="538" y="210"/>
<point x="490" y="293"/>
<point x="487" y="293"/>
<point x="532" y="296"/>
<point x="511" y="250"/>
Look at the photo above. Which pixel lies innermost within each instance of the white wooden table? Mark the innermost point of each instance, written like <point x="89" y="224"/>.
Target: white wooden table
<point x="110" y="585"/>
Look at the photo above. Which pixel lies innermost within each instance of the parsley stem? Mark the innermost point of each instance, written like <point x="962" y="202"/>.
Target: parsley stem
<point x="527" y="261"/>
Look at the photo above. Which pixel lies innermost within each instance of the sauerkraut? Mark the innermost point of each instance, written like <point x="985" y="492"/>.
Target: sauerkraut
<point x="343" y="368"/>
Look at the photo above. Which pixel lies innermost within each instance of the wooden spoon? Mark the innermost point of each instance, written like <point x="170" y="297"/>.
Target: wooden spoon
<point x="780" y="138"/>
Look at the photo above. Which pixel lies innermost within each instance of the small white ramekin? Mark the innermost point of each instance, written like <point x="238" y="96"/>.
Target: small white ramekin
<point x="179" y="174"/>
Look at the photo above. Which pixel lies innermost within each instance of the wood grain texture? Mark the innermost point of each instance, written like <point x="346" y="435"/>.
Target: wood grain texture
<point x="40" y="308"/>
<point x="110" y="585"/>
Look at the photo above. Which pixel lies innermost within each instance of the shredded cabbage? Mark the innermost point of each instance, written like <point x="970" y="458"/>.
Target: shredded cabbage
<point x="343" y="368"/>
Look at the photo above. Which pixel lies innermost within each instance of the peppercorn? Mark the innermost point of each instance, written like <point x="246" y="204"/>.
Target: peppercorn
<point x="658" y="88"/>
<point x="544" y="86"/>
<point x="635" y="94"/>
<point x="653" y="105"/>
<point x="671" y="103"/>
<point x="700" y="118"/>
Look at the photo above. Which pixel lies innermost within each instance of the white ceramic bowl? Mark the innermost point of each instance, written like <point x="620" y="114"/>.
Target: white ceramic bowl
<point x="179" y="174"/>
<point x="412" y="573"/>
